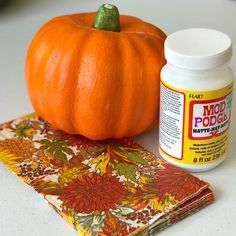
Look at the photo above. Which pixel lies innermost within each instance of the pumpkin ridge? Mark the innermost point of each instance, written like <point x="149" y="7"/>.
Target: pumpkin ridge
<point x="67" y="67"/>
<point x="142" y="93"/>
<point x="50" y="91"/>
<point x="76" y="109"/>
<point x="117" y="119"/>
<point x="126" y="121"/>
<point x="151" y="94"/>
<point x="139" y="46"/>
<point x="133" y="121"/>
<point x="54" y="58"/>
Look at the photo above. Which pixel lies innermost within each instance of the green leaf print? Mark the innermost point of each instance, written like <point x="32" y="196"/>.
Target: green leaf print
<point x="57" y="148"/>
<point x="135" y="156"/>
<point x="128" y="171"/>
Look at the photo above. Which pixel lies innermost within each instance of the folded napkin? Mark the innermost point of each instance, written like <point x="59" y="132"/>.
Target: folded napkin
<point x="112" y="187"/>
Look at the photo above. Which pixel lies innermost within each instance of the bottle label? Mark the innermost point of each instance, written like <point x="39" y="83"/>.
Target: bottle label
<point x="194" y="125"/>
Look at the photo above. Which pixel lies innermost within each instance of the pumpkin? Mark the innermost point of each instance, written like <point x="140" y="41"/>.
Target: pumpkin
<point x="96" y="74"/>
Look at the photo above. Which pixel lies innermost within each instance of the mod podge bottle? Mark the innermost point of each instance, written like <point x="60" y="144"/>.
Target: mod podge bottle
<point x="196" y="97"/>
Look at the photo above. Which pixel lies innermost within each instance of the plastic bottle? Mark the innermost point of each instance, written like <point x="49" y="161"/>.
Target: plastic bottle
<point x="196" y="97"/>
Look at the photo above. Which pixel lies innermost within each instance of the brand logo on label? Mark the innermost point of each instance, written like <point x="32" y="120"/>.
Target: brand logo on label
<point x="209" y="118"/>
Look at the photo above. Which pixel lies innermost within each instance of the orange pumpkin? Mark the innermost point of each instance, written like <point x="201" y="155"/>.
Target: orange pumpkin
<point x="95" y="81"/>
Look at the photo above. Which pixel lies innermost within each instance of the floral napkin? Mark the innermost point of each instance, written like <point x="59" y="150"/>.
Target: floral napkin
<point x="112" y="187"/>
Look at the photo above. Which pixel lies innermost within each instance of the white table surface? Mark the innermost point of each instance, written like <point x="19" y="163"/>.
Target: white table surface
<point x="22" y="211"/>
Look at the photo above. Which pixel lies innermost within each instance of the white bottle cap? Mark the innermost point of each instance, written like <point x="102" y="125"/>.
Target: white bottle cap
<point x="198" y="48"/>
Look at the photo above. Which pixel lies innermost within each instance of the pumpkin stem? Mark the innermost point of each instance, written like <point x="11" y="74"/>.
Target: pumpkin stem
<point x="107" y="18"/>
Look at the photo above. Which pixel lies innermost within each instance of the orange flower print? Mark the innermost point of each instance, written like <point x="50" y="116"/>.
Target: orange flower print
<point x="176" y="182"/>
<point x="93" y="193"/>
